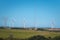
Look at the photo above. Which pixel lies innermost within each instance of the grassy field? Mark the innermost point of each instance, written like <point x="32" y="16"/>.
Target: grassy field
<point x="4" y="33"/>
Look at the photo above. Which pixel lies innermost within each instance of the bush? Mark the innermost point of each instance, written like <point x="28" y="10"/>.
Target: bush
<point x="56" y="38"/>
<point x="38" y="37"/>
<point x="1" y="38"/>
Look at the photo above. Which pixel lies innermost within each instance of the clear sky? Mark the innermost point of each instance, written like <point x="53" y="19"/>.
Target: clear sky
<point x="34" y="12"/>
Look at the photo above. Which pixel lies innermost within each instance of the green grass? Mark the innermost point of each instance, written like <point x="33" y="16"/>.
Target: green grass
<point x="4" y="33"/>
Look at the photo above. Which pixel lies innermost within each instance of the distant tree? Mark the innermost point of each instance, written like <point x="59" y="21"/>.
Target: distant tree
<point x="2" y="27"/>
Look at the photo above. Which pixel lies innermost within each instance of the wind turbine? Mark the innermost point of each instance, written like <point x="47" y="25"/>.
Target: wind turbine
<point x="35" y="16"/>
<point x="24" y="25"/>
<point x="52" y="24"/>
<point x="5" y="22"/>
<point x="35" y="25"/>
<point x="12" y="22"/>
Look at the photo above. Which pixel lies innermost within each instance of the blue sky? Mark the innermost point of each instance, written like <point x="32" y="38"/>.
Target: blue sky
<point x="41" y="12"/>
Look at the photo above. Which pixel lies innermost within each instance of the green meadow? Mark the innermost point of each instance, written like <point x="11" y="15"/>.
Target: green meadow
<point x="17" y="33"/>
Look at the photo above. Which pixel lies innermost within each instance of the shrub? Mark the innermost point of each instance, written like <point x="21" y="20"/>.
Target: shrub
<point x="1" y="38"/>
<point x="38" y="37"/>
<point x="56" y="38"/>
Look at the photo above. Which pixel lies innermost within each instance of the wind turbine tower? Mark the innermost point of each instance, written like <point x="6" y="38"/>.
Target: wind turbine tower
<point x="12" y="22"/>
<point x="24" y="25"/>
<point x="52" y="24"/>
<point x="5" y="22"/>
<point x="35" y="16"/>
<point x="35" y="25"/>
